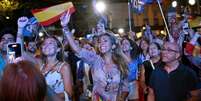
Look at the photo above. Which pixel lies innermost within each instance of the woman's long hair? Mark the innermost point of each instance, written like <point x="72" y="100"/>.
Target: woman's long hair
<point x="140" y="44"/>
<point x="117" y="55"/>
<point x="136" y="50"/>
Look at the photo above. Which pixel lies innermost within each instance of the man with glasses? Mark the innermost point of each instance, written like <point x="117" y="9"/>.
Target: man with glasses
<point x="174" y="81"/>
<point x="7" y="37"/>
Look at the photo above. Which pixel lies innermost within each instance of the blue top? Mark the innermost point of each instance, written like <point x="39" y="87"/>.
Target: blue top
<point x="2" y="65"/>
<point x="133" y="67"/>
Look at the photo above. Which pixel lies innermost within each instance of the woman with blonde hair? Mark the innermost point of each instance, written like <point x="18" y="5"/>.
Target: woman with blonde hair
<point x="109" y="68"/>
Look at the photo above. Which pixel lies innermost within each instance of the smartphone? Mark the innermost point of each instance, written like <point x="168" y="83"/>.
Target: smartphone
<point x="185" y="26"/>
<point x="14" y="50"/>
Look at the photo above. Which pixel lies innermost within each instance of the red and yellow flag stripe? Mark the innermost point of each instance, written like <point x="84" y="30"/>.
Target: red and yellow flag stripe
<point x="49" y="15"/>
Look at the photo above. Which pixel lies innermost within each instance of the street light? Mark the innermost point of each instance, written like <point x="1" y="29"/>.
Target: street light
<point x="174" y="4"/>
<point x="191" y="2"/>
<point x="100" y="6"/>
<point x="121" y="30"/>
<point x="7" y="17"/>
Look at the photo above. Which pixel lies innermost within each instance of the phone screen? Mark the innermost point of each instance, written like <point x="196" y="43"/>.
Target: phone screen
<point x="185" y="26"/>
<point x="13" y="51"/>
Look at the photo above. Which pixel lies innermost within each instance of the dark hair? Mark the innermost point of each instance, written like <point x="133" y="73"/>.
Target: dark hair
<point x="144" y="39"/>
<point x="60" y="54"/>
<point x="22" y="81"/>
<point x="157" y="45"/>
<point x="199" y="40"/>
<point x="136" y="50"/>
<point x="7" y="31"/>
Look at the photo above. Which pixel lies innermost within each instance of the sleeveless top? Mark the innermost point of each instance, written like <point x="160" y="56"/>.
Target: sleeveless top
<point x="54" y="79"/>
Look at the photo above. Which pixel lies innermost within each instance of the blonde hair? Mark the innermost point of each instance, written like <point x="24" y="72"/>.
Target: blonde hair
<point x="117" y="55"/>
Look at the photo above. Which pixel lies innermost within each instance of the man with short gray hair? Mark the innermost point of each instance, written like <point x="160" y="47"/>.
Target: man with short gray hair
<point x="174" y="81"/>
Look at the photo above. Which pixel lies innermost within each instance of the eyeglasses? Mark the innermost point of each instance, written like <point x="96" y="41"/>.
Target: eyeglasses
<point x="7" y="39"/>
<point x="176" y="51"/>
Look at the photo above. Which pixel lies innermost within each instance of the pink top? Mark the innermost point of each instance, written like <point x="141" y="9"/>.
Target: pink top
<point x="106" y="83"/>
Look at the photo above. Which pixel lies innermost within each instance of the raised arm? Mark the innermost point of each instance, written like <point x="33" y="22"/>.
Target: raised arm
<point x="195" y="38"/>
<point x="65" y="18"/>
<point x="148" y="33"/>
<point x="22" y="22"/>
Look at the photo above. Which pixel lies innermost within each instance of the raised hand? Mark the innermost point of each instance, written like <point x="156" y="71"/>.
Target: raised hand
<point x="65" y="18"/>
<point x="18" y="59"/>
<point x="148" y="27"/>
<point x="22" y="22"/>
<point x="132" y="35"/>
<point x="197" y="35"/>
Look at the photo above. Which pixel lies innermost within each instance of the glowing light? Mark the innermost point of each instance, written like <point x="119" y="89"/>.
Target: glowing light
<point x="191" y="2"/>
<point x="143" y="27"/>
<point x="7" y="17"/>
<point x="139" y="35"/>
<point x="40" y="34"/>
<point x="121" y="30"/>
<point x="8" y="5"/>
<point x="100" y="6"/>
<point x="162" y="32"/>
<point x="174" y="4"/>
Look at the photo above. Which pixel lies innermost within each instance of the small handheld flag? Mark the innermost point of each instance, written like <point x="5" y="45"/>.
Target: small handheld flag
<point x="27" y="30"/>
<point x="137" y="6"/>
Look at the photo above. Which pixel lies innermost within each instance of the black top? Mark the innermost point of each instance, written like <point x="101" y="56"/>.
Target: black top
<point x="72" y="60"/>
<point x="148" y="69"/>
<point x="175" y="86"/>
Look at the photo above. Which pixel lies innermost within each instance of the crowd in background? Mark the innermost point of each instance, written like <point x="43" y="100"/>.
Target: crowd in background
<point x="103" y="67"/>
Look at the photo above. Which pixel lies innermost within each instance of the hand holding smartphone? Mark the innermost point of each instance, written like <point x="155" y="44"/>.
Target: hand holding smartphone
<point x="14" y="50"/>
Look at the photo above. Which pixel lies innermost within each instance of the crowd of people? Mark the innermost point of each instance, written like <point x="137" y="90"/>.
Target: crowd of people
<point x="102" y="68"/>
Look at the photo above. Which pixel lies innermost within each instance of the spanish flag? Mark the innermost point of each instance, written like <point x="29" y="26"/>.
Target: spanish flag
<point x="49" y="15"/>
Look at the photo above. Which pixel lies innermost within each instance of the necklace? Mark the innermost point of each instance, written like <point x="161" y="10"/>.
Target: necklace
<point x="53" y="65"/>
<point x="49" y="69"/>
<point x="109" y="77"/>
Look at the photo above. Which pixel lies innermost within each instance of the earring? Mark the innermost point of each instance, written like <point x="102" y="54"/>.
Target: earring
<point x="113" y="46"/>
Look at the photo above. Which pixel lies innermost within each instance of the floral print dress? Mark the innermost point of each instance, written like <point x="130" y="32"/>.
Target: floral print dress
<point x="106" y="83"/>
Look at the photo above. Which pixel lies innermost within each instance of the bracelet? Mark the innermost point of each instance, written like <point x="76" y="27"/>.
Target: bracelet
<point x="66" y="30"/>
<point x="19" y="36"/>
<point x="65" y="27"/>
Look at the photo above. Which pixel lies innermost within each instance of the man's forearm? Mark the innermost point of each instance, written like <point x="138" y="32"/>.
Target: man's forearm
<point x="195" y="95"/>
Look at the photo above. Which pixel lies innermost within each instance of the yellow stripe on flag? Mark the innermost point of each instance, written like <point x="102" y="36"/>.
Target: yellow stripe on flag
<point x="52" y="11"/>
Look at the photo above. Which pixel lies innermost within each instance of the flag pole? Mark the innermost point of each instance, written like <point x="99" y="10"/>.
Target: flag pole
<point x="44" y="30"/>
<point x="166" y="26"/>
<point x="129" y="16"/>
